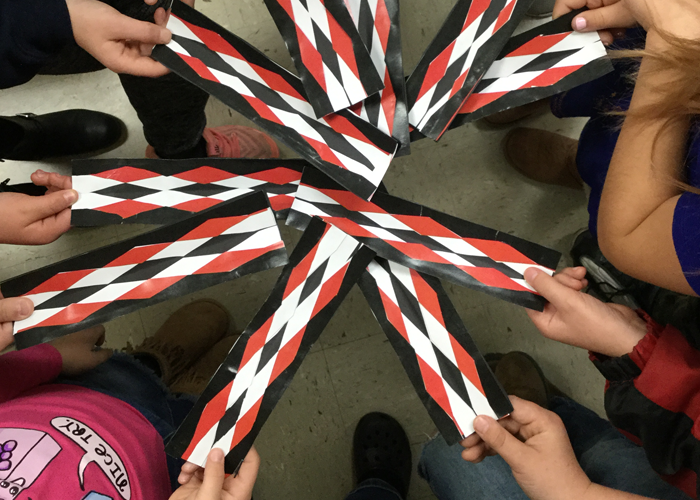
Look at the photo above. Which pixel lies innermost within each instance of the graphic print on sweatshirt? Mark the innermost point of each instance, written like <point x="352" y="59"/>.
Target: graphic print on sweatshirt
<point x="31" y="461"/>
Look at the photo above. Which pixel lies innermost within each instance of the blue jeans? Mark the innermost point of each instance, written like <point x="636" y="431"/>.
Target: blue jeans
<point x="124" y="378"/>
<point x="607" y="457"/>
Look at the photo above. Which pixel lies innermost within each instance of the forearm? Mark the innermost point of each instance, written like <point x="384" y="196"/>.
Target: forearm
<point x="639" y="198"/>
<point x="598" y="492"/>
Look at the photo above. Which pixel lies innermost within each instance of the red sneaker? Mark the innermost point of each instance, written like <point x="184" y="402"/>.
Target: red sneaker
<point x="234" y="141"/>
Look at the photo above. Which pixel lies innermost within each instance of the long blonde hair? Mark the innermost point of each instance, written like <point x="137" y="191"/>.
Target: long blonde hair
<point x="679" y="101"/>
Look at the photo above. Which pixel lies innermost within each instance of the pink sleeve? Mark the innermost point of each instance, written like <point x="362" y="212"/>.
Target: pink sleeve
<point x="28" y="368"/>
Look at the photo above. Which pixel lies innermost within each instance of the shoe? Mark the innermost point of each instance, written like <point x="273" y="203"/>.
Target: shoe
<point x="234" y="141"/>
<point x="184" y="337"/>
<point x="195" y="379"/>
<point x="66" y="133"/>
<point x="521" y="376"/>
<point x="380" y="450"/>
<point x="605" y="282"/>
<point x="543" y="156"/>
<point x="508" y="116"/>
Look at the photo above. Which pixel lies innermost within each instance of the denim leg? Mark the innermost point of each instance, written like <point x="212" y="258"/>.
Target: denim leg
<point x="374" y="489"/>
<point x="452" y="478"/>
<point x="124" y="378"/>
<point x="607" y="456"/>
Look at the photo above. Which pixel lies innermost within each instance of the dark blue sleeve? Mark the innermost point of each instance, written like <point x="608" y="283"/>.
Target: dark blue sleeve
<point x="686" y="237"/>
<point x="32" y="32"/>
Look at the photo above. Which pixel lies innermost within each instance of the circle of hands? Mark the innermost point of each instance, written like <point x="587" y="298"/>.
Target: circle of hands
<point x="532" y="440"/>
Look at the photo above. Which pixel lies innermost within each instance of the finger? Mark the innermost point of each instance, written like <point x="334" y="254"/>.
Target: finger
<point x="214" y="475"/>
<point x="475" y="454"/>
<point x="101" y="355"/>
<point x="90" y="336"/>
<point x="569" y="282"/>
<point x="51" y="180"/>
<point x="611" y="16"/>
<point x="151" y="2"/>
<point x="562" y="7"/>
<point x="556" y="293"/>
<point x="606" y="37"/>
<point x="241" y="485"/>
<point x="141" y="31"/>
<point x="578" y="272"/>
<point x="137" y="66"/>
<point x="48" y="229"/>
<point x="15" y="309"/>
<point x="499" y="439"/>
<point x="42" y="207"/>
<point x="160" y="17"/>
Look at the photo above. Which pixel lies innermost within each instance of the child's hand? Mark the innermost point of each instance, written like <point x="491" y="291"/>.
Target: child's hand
<point x="11" y="310"/>
<point x="534" y="442"/>
<point x="80" y="351"/>
<point x="119" y="42"/>
<point x="211" y="483"/>
<point x="577" y="319"/>
<point x="36" y="220"/>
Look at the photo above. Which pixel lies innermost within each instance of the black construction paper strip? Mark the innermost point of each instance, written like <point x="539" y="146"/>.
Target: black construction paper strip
<point x="427" y="240"/>
<point x="542" y="62"/>
<point x="141" y="191"/>
<point x="378" y="22"/>
<point x="327" y="50"/>
<point x="342" y="145"/>
<point x="447" y="370"/>
<point x="222" y="243"/>
<point x="470" y="40"/>
<point x="229" y="414"/>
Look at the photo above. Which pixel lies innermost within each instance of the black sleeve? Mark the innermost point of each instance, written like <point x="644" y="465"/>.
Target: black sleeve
<point x="32" y="32"/>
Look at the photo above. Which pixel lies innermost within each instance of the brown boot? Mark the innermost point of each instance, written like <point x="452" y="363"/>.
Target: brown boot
<point x="194" y="380"/>
<point x="185" y="336"/>
<point x="543" y="156"/>
<point x="521" y="376"/>
<point x="508" y="116"/>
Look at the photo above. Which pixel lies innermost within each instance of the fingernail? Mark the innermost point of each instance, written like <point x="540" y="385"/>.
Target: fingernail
<point x="71" y="196"/>
<point x="24" y="308"/>
<point x="530" y="274"/>
<point x="580" y="24"/>
<point x="216" y="455"/>
<point x="481" y="425"/>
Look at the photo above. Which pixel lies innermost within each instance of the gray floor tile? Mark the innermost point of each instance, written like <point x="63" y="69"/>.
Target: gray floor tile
<point x="304" y="446"/>
<point x="368" y="376"/>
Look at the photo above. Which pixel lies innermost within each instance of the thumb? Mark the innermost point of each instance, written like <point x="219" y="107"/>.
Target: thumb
<point x="556" y="293"/>
<point x="611" y="16"/>
<point x="214" y="475"/>
<point x="499" y="440"/>
<point x="141" y="31"/>
<point x="101" y="355"/>
<point x="51" y="204"/>
<point x="15" y="309"/>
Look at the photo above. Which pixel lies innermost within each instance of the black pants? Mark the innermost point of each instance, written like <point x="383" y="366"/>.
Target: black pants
<point x="170" y="109"/>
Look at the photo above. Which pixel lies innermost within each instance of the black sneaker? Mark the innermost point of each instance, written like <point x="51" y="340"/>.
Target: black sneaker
<point x="605" y="282"/>
<point x="380" y="450"/>
<point x="608" y="284"/>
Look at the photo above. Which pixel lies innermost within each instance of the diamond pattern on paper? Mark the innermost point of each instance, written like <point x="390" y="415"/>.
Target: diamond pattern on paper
<point x="295" y="314"/>
<point x="378" y="24"/>
<point x="413" y="235"/>
<point x="137" y="194"/>
<point x="333" y="63"/>
<point x="342" y="145"/>
<point x="442" y="81"/>
<point x="432" y="344"/>
<point x="541" y="62"/>
<point x="210" y="248"/>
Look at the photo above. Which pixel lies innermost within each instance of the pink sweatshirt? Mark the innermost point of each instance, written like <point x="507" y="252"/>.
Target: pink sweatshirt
<point x="66" y="442"/>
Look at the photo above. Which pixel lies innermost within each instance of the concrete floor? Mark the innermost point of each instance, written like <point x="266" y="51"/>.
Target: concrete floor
<point x="306" y="443"/>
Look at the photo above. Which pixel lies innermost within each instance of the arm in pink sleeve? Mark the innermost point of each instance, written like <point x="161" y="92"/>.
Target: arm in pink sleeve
<point x="28" y="368"/>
